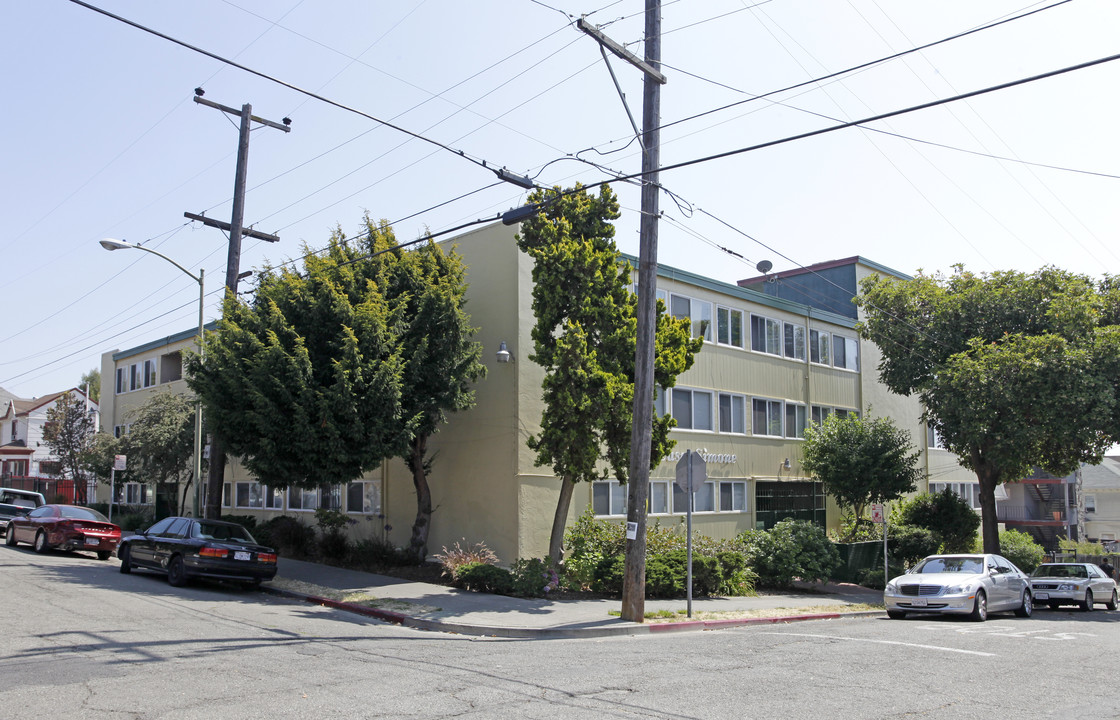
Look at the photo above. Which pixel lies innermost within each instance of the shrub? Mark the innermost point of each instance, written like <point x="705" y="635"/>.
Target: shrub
<point x="606" y="576"/>
<point x="483" y="577"/>
<point x="853" y="530"/>
<point x="133" y="521"/>
<point x="947" y="514"/>
<point x="873" y="577"/>
<point x="376" y="553"/>
<point x="910" y="543"/>
<point x="287" y="535"/>
<point x="586" y="543"/>
<point x="1018" y="547"/>
<point x="791" y="549"/>
<point x="738" y="579"/>
<point x="534" y="577"/>
<point x="333" y="543"/>
<point x="665" y="576"/>
<point x="458" y="557"/>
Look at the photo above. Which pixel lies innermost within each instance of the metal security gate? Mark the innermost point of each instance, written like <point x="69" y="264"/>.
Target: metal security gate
<point x="775" y="501"/>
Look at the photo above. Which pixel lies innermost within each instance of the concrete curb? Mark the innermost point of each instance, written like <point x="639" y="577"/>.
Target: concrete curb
<point x="621" y="628"/>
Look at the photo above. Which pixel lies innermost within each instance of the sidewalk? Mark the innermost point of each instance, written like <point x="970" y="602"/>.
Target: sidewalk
<point x="436" y="607"/>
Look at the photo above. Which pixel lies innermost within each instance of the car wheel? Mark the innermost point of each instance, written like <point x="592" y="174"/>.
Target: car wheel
<point x="176" y="572"/>
<point x="122" y="553"/>
<point x="10" y="537"/>
<point x="1027" y="607"/>
<point x="980" y="607"/>
<point x="896" y="614"/>
<point x="1113" y="602"/>
<point x="1087" y="604"/>
<point x="103" y="554"/>
<point x="253" y="584"/>
<point x="40" y="542"/>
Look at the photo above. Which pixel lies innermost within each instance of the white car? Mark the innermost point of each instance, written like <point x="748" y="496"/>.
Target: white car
<point x="972" y="585"/>
<point x="1081" y="584"/>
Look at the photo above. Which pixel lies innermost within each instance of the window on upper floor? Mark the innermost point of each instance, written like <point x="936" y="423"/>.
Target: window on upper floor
<point x="732" y="413"/>
<point x="1090" y="503"/>
<point x="697" y="312"/>
<point x="729" y="327"/>
<point x="171" y="367"/>
<point x="766" y="335"/>
<point x="820" y="350"/>
<point x="845" y="352"/>
<point x="794" y="337"/>
<point x="692" y="409"/>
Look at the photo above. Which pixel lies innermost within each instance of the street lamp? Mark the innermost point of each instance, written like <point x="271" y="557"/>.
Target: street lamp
<point x="111" y="244"/>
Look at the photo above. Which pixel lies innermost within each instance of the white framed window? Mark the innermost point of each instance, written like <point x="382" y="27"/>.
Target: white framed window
<point x="364" y="497"/>
<point x="171" y="367"/>
<point x="255" y="495"/>
<point x="703" y="499"/>
<point x="692" y="409"/>
<point x="1090" y="503"/>
<point x="330" y="497"/>
<point x="845" y="352"/>
<point x="227" y="494"/>
<point x="136" y="376"/>
<point x="149" y="373"/>
<point x="969" y="492"/>
<point x="303" y="499"/>
<point x="933" y="438"/>
<point x="766" y="417"/>
<point x="820" y="347"/>
<point x="729" y="326"/>
<point x="122" y="380"/>
<point x="697" y="312"/>
<point x="660" y="497"/>
<point x="608" y="498"/>
<point x="733" y="496"/>
<point x="793" y="337"/>
<point x="796" y="420"/>
<point x="120" y="431"/>
<point x="137" y="494"/>
<point x="766" y="335"/>
<point x="732" y="413"/>
<point x="820" y="413"/>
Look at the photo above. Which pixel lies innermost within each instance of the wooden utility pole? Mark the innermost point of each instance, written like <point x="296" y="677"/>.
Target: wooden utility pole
<point x="216" y="478"/>
<point x="634" y="580"/>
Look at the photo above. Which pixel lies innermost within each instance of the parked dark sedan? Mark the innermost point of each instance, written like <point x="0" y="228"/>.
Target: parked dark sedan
<point x="67" y="527"/>
<point x="186" y="548"/>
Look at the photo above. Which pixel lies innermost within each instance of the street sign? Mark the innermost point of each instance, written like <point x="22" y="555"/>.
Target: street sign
<point x="877" y="512"/>
<point x="699" y="471"/>
<point x="119" y="462"/>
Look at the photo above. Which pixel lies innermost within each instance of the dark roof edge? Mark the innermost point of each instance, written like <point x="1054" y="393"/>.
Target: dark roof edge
<point x="828" y="265"/>
<point x="163" y="342"/>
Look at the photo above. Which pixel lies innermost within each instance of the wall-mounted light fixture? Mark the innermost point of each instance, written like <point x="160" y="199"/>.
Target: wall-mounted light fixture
<point x="786" y="464"/>
<point x="504" y="355"/>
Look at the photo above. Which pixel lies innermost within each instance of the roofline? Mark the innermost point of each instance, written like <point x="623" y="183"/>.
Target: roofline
<point x="827" y="265"/>
<point x="746" y="294"/>
<point x="163" y="342"/>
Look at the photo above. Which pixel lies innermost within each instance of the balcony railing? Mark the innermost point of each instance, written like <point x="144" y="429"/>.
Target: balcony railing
<point x="1023" y="513"/>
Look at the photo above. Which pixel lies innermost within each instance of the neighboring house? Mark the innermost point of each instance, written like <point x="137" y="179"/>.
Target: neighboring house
<point x="1100" y="488"/>
<point x="23" y="454"/>
<point x="1042" y="505"/>
<point x="129" y="378"/>
<point x="770" y="365"/>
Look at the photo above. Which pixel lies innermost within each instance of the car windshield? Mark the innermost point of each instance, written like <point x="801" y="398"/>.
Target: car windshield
<point x="951" y="565"/>
<point x="221" y="531"/>
<point x="81" y="513"/>
<point x="1061" y="571"/>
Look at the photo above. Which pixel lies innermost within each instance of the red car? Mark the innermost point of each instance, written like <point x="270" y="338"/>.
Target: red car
<point x="67" y="527"/>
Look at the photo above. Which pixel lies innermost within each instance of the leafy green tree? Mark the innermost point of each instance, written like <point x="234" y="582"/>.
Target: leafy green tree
<point x="92" y="380"/>
<point x="160" y="444"/>
<point x="584" y="338"/>
<point x="1021" y="549"/>
<point x="947" y="515"/>
<point x="68" y="431"/>
<point x="1014" y="370"/>
<point x="99" y="455"/>
<point x="327" y="372"/>
<point x="861" y="460"/>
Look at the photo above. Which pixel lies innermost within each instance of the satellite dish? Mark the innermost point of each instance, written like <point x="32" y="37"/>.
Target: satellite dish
<point x="764" y="266"/>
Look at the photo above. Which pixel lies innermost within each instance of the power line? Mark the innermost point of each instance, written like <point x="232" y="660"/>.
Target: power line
<point x="502" y="172"/>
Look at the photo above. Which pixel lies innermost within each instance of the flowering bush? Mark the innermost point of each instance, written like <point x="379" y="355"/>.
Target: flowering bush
<point x="534" y="577"/>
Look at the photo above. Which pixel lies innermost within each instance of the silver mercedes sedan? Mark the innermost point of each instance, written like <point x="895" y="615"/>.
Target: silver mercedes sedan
<point x="972" y="585"/>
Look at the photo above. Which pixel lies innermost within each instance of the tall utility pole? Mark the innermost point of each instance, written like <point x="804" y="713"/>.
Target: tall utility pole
<point x="233" y="263"/>
<point x="634" y="579"/>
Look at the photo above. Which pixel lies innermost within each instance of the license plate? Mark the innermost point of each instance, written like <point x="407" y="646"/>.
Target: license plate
<point x="918" y="602"/>
<point x="93" y="541"/>
<point x="1042" y="596"/>
<point x="237" y="555"/>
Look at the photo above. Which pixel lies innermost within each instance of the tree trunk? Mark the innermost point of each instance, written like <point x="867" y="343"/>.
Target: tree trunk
<point x="560" y="520"/>
<point x="418" y="545"/>
<point x="989" y="523"/>
<point x="216" y="480"/>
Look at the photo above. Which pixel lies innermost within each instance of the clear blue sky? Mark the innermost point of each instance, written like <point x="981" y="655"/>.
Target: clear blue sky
<point x="101" y="139"/>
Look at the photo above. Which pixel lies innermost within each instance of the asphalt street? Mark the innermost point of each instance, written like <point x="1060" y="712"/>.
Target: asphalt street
<point x="82" y="640"/>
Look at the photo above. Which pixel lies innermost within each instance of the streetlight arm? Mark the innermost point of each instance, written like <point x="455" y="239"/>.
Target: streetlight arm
<point x="110" y="244"/>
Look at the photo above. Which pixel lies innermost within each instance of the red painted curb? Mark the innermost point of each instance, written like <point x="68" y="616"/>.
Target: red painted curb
<point x="387" y="615"/>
